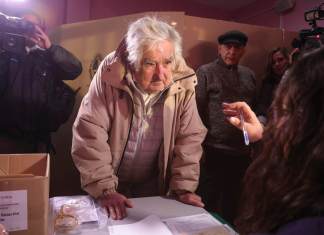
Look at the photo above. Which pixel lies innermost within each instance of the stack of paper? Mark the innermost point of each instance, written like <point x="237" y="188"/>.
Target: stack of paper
<point x="201" y="224"/>
<point x="192" y="224"/>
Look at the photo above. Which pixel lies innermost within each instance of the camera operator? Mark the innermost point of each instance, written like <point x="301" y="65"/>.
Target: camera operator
<point x="25" y="77"/>
<point x="309" y="39"/>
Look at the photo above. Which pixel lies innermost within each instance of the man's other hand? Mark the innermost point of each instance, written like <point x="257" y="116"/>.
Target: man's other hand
<point x="190" y="198"/>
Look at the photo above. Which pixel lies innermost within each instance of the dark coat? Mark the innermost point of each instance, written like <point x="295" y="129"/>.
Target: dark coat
<point x="25" y="79"/>
<point x="305" y="226"/>
<point x="218" y="83"/>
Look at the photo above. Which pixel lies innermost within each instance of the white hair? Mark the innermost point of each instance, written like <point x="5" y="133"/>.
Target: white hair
<point x="148" y="32"/>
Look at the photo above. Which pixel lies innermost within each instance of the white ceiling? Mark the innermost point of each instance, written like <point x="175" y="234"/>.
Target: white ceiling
<point x="228" y="5"/>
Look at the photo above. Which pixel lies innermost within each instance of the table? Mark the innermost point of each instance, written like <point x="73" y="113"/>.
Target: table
<point x="161" y="206"/>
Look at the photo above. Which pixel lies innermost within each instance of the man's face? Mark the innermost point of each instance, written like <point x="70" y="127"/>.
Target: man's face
<point x="279" y="63"/>
<point x="155" y="71"/>
<point x="231" y="53"/>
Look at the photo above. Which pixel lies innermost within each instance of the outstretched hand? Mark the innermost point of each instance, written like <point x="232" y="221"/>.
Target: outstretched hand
<point x="116" y="204"/>
<point x="252" y="125"/>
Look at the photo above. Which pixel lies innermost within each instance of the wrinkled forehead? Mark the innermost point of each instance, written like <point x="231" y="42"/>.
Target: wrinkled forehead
<point x="232" y="45"/>
<point x="161" y="48"/>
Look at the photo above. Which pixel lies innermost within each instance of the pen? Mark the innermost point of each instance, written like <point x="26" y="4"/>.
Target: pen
<point x="245" y="134"/>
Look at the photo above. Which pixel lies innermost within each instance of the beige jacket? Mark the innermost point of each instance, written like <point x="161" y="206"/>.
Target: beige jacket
<point x="101" y="130"/>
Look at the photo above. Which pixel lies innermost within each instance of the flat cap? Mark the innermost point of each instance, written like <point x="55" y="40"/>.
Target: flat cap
<point x="233" y="36"/>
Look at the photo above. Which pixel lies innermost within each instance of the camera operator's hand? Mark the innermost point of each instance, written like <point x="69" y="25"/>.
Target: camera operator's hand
<point x="40" y="38"/>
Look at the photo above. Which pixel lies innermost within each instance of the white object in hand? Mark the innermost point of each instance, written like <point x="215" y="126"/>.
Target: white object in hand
<point x="245" y="134"/>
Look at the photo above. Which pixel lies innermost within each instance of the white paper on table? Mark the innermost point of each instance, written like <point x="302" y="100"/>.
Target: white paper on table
<point x="151" y="225"/>
<point x="191" y="224"/>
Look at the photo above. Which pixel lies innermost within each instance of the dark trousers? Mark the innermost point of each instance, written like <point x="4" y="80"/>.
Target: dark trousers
<point x="220" y="183"/>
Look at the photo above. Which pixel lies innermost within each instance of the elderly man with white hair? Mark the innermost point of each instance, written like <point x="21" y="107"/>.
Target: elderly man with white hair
<point x="138" y="132"/>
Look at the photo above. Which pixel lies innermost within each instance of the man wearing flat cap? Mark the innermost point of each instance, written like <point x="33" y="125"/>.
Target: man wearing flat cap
<point x="226" y="155"/>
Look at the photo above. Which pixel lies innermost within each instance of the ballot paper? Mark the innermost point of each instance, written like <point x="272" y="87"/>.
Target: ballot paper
<point x="192" y="224"/>
<point x="184" y="225"/>
<point x="151" y="225"/>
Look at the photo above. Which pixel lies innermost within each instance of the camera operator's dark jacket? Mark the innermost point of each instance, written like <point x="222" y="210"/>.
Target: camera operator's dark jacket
<point x="24" y="80"/>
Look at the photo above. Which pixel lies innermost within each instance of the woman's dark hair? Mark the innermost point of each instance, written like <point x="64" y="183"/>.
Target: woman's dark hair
<point x="286" y="182"/>
<point x="269" y="71"/>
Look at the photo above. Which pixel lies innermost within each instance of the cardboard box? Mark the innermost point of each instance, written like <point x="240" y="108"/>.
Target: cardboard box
<point x="24" y="193"/>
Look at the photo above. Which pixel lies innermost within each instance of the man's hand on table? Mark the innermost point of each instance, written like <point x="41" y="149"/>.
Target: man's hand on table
<point x="189" y="198"/>
<point x="116" y="204"/>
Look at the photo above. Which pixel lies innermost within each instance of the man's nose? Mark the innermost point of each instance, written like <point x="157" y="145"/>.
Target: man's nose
<point x="159" y="69"/>
<point x="232" y="50"/>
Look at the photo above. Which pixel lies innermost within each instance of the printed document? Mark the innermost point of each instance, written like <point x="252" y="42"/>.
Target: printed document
<point x="191" y="224"/>
<point x="148" y="226"/>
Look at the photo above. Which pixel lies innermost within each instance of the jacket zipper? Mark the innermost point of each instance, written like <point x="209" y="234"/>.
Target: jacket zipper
<point x="140" y="131"/>
<point x="129" y="130"/>
<point x="131" y="121"/>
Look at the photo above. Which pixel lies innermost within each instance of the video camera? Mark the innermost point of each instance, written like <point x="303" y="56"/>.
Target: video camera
<point x="314" y="37"/>
<point x="12" y="31"/>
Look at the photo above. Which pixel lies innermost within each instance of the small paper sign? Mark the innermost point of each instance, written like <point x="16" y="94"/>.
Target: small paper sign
<point x="13" y="210"/>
